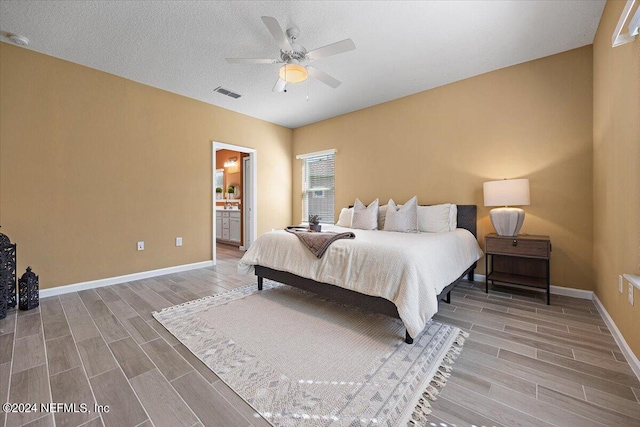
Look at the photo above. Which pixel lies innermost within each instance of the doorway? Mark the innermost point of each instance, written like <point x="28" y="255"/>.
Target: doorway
<point x="247" y="196"/>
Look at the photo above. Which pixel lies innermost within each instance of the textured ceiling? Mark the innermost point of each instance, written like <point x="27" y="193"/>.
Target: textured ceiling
<point x="401" y="47"/>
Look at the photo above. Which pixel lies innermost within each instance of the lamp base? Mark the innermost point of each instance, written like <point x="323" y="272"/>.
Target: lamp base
<point x="507" y="221"/>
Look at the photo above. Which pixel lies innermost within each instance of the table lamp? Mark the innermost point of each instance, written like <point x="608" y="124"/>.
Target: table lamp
<point x="507" y="220"/>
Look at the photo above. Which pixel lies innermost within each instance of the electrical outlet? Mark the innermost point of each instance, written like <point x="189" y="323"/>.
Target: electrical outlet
<point x="178" y="241"/>
<point x="620" y="283"/>
<point x="141" y="246"/>
<point x="630" y="294"/>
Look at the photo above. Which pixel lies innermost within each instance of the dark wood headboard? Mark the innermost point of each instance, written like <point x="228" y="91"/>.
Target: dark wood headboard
<point x="467" y="218"/>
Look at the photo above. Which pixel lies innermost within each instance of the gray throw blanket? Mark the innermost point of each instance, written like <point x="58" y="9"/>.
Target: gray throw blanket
<point x="318" y="243"/>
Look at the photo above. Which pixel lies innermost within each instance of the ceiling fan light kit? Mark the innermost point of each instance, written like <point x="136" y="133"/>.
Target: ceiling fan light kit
<point x="294" y="57"/>
<point x="293" y="73"/>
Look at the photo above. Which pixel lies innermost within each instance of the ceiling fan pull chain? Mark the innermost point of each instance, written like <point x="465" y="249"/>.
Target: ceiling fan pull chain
<point x="308" y="84"/>
<point x="285" y="78"/>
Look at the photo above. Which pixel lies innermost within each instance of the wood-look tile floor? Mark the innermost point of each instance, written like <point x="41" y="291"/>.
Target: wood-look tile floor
<point x="524" y="364"/>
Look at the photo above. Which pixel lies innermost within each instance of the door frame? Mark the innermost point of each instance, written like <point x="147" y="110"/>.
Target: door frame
<point x="253" y="155"/>
<point x="246" y="232"/>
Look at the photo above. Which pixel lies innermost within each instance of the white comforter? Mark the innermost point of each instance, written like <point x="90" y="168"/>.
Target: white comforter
<point x="408" y="269"/>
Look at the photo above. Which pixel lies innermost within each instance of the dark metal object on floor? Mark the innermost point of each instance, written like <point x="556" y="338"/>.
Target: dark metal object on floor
<point x="29" y="291"/>
<point x="3" y="302"/>
<point x="7" y="275"/>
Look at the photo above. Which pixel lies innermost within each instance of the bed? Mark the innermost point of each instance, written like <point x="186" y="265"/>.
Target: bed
<point x="403" y="275"/>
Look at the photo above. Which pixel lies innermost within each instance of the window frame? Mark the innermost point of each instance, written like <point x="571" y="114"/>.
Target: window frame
<point x="309" y="193"/>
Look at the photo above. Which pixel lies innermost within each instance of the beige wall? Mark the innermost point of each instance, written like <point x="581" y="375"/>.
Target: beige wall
<point x="533" y="120"/>
<point x="91" y="163"/>
<point x="616" y="170"/>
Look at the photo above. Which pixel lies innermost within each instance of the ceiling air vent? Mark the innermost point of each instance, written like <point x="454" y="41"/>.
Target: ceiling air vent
<point x="224" y="91"/>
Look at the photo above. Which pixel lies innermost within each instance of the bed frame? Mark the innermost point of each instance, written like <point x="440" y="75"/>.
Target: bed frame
<point x="467" y="215"/>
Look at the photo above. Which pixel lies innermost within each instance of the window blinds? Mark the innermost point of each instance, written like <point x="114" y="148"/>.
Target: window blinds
<point x="318" y="187"/>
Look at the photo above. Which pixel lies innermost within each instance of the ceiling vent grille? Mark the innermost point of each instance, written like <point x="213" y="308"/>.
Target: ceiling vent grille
<point x="227" y="92"/>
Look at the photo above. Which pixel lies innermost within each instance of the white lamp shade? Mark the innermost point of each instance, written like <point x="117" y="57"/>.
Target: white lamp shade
<point x="506" y="192"/>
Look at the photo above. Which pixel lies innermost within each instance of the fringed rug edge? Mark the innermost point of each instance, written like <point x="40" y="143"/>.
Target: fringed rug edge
<point x="434" y="385"/>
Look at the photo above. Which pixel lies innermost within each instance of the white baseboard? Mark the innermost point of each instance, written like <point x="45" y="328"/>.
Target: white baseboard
<point x="555" y="290"/>
<point x="59" y="290"/>
<point x="571" y="292"/>
<point x="617" y="335"/>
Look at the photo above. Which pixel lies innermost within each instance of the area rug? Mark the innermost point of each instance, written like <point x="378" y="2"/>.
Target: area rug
<point x="301" y="360"/>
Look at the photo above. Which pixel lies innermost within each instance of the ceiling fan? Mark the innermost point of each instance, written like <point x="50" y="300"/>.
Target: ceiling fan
<point x="295" y="56"/>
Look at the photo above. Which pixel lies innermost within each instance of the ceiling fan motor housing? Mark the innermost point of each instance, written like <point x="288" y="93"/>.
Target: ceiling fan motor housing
<point x="299" y="54"/>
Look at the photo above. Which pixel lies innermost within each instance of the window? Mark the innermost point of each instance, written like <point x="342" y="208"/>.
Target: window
<point x="318" y="185"/>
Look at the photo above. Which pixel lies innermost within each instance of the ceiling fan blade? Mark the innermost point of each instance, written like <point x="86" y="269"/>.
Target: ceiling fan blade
<point x="276" y="31"/>
<point x="332" y="49"/>
<point x="251" y="61"/>
<point x="279" y="86"/>
<point x="323" y="77"/>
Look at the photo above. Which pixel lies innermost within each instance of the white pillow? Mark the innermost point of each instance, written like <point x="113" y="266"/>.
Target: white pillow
<point x="382" y="215"/>
<point x="402" y="218"/>
<point x="437" y="218"/>
<point x="365" y="217"/>
<point x="344" y="220"/>
<point x="453" y="217"/>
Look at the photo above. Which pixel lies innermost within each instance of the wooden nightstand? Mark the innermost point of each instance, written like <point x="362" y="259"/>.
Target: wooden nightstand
<point x="521" y="260"/>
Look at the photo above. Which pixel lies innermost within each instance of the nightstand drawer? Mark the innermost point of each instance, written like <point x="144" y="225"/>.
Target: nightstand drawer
<point x="516" y="246"/>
